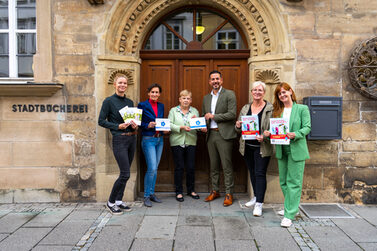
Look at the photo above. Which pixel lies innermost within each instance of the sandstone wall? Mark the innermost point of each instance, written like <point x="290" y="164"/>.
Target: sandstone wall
<point x="75" y="35"/>
<point x="324" y="34"/>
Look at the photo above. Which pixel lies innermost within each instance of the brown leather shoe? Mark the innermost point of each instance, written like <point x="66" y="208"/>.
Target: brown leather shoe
<point x="228" y="200"/>
<point x="213" y="195"/>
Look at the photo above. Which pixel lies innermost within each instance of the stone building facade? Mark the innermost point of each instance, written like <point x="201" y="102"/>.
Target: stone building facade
<point x="61" y="154"/>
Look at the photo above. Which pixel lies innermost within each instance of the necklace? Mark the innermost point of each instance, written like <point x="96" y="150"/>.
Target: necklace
<point x="257" y="108"/>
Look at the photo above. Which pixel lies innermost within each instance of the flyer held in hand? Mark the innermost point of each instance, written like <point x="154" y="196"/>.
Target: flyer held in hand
<point x="250" y="127"/>
<point x="162" y="124"/>
<point x="279" y="128"/>
<point x="131" y="113"/>
<point x="198" y="123"/>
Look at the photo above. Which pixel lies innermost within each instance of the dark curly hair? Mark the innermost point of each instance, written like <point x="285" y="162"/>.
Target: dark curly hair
<point x="153" y="86"/>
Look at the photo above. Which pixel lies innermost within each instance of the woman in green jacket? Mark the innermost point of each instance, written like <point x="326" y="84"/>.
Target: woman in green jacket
<point x="183" y="144"/>
<point x="257" y="153"/>
<point x="291" y="158"/>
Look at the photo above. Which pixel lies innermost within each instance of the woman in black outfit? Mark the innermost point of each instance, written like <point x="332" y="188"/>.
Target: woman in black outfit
<point x="257" y="153"/>
<point x="124" y="141"/>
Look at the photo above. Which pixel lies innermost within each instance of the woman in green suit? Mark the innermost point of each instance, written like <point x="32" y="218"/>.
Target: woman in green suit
<point x="291" y="158"/>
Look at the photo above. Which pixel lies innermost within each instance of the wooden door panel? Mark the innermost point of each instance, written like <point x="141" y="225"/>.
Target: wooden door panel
<point x="235" y="77"/>
<point x="195" y="79"/>
<point x="162" y="72"/>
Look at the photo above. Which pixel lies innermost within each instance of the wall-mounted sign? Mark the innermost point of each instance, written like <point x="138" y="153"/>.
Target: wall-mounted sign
<point x="79" y="108"/>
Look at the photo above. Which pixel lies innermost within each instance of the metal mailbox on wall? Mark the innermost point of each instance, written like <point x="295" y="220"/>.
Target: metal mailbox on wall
<point x="326" y="117"/>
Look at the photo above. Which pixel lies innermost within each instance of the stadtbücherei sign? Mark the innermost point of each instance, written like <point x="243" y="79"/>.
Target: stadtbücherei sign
<point x="77" y="108"/>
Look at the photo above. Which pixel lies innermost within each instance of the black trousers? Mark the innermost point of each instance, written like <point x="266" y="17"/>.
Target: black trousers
<point x="124" y="151"/>
<point x="257" y="166"/>
<point x="184" y="158"/>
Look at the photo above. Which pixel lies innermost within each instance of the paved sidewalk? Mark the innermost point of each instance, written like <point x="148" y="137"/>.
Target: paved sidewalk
<point x="191" y="225"/>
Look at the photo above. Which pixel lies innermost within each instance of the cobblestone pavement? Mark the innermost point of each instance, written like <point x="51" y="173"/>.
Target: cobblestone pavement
<point x="191" y="225"/>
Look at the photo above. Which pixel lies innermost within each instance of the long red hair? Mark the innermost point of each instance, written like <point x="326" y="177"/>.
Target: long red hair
<point x="278" y="105"/>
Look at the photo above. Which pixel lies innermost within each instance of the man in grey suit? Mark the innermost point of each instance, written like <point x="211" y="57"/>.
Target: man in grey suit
<point x="220" y="111"/>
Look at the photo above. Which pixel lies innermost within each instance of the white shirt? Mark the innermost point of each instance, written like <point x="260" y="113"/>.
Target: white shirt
<point x="215" y="97"/>
<point x="287" y="113"/>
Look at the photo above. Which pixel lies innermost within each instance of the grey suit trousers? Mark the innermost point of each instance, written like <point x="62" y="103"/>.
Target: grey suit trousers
<point x="220" y="153"/>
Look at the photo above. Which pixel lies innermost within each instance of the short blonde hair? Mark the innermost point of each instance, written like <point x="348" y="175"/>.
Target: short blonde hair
<point x="185" y="93"/>
<point x="256" y="83"/>
<point x="120" y="76"/>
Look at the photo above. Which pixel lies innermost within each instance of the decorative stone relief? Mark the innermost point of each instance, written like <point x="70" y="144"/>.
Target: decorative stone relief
<point x="267" y="76"/>
<point x="261" y="25"/>
<point x="128" y="73"/>
<point x="95" y="2"/>
<point x="362" y="69"/>
<point x="253" y="11"/>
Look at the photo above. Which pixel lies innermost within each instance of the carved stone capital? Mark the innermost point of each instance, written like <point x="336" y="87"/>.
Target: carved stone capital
<point x="116" y="72"/>
<point x="267" y="76"/>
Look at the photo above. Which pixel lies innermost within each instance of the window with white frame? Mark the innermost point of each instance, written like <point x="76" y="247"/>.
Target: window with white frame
<point x="172" y="42"/>
<point x="228" y="39"/>
<point x="17" y="38"/>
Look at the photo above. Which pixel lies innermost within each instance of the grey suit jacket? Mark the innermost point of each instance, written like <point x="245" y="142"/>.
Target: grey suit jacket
<point x="225" y="112"/>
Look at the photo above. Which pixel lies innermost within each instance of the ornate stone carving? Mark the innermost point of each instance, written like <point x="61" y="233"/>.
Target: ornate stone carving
<point x="362" y="69"/>
<point x="267" y="76"/>
<point x="261" y="26"/>
<point x="143" y="6"/>
<point x="95" y="2"/>
<point x="128" y="73"/>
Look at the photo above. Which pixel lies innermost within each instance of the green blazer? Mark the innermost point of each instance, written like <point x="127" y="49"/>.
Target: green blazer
<point x="225" y="112"/>
<point x="299" y="123"/>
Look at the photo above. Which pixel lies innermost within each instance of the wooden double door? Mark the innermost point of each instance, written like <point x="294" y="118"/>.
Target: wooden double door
<point x="175" y="75"/>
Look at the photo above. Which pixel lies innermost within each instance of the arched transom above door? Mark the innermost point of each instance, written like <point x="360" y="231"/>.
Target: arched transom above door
<point x="259" y="20"/>
<point x="213" y="31"/>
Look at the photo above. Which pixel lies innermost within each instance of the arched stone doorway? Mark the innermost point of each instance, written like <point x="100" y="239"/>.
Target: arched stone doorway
<point x="177" y="57"/>
<point x="271" y="60"/>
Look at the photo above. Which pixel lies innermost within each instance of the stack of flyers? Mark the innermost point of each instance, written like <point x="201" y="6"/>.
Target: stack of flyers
<point x="131" y="113"/>
<point x="250" y="127"/>
<point x="279" y="128"/>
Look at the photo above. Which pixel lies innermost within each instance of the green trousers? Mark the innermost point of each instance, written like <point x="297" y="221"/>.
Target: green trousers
<point x="291" y="175"/>
<point x="220" y="154"/>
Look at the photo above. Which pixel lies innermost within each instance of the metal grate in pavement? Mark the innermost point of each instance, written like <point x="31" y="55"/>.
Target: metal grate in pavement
<point x="325" y="210"/>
